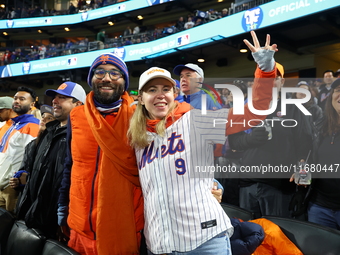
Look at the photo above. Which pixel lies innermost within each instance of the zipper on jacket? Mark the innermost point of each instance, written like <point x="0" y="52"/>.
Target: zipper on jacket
<point x="92" y="194"/>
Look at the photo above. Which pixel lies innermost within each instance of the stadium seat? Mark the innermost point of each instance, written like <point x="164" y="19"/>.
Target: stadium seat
<point x="310" y="238"/>
<point x="23" y="240"/>
<point x="6" y="223"/>
<point x="54" y="247"/>
<point x="236" y="212"/>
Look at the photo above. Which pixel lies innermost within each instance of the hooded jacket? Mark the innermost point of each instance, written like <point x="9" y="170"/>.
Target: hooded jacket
<point x="12" y="145"/>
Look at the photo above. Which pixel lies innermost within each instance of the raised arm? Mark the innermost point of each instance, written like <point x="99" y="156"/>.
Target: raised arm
<point x="263" y="83"/>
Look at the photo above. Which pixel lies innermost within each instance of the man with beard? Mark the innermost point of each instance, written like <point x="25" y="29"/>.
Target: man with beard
<point x="100" y="189"/>
<point x="24" y="129"/>
<point x="44" y="163"/>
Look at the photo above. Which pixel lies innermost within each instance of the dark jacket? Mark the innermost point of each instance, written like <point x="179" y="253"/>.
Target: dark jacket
<point x="286" y="147"/>
<point x="37" y="203"/>
<point x="326" y="191"/>
<point x="246" y="238"/>
<point x="315" y="110"/>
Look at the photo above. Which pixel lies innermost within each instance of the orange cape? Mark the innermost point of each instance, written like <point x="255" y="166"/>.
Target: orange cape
<point x="118" y="180"/>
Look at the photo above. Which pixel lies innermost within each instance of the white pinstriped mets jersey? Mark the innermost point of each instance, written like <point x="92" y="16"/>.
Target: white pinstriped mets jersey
<point x="180" y="211"/>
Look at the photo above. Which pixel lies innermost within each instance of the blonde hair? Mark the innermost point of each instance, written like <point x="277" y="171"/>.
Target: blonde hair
<point x="137" y="133"/>
<point x="36" y="113"/>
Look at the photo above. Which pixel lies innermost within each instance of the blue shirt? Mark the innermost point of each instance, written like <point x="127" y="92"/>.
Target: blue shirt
<point x="195" y="100"/>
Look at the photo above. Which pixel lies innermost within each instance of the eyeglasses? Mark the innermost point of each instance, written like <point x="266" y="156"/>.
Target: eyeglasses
<point x="114" y="74"/>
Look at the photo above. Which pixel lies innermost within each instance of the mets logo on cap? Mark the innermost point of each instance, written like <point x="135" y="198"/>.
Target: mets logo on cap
<point x="252" y="19"/>
<point x="62" y="86"/>
<point x="104" y="58"/>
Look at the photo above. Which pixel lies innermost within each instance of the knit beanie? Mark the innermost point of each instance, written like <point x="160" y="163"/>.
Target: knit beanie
<point x="109" y="58"/>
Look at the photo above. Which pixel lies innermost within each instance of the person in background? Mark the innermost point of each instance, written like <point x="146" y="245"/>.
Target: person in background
<point x="6" y="58"/>
<point x="44" y="163"/>
<point x="101" y="39"/>
<point x="191" y="81"/>
<point x="24" y="129"/>
<point x="337" y="74"/>
<point x="311" y="106"/>
<point x="179" y="98"/>
<point x="224" y="13"/>
<point x="324" y="89"/>
<point x="6" y="114"/>
<point x="46" y="116"/>
<point x="272" y="144"/>
<point x="324" y="197"/>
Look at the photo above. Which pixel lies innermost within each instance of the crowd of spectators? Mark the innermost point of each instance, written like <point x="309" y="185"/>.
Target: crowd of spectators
<point x="38" y="11"/>
<point x="129" y="36"/>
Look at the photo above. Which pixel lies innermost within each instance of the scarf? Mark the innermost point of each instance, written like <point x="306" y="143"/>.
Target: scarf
<point x="118" y="179"/>
<point x="172" y="117"/>
<point x="106" y="109"/>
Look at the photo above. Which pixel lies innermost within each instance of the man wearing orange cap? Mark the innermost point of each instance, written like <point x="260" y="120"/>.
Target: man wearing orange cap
<point x="272" y="145"/>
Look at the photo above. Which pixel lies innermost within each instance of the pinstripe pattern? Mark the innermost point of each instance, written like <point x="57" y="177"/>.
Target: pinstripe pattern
<point x="176" y="203"/>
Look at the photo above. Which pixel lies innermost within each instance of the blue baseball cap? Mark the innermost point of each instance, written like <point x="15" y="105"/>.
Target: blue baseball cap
<point x="70" y="89"/>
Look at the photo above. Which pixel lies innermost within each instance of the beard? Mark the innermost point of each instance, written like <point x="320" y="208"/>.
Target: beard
<point x="107" y="98"/>
<point x="23" y="109"/>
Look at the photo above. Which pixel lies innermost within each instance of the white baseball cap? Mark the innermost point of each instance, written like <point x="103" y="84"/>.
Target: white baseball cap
<point x="152" y="73"/>
<point x="178" y="69"/>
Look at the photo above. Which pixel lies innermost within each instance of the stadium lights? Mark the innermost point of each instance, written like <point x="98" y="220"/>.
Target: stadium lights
<point x="201" y="60"/>
<point x="110" y="23"/>
<point x="67" y="29"/>
<point x="140" y="17"/>
<point x="2" y="6"/>
<point x="39" y="31"/>
<point x="243" y="50"/>
<point x="4" y="33"/>
<point x="201" y="57"/>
